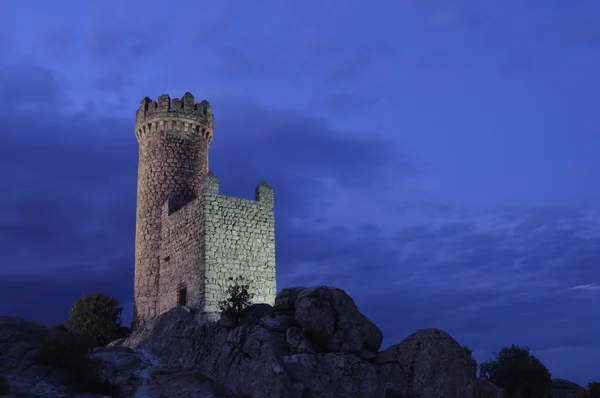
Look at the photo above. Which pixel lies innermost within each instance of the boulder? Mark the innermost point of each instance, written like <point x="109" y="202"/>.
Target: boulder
<point x="484" y="389"/>
<point x="20" y="345"/>
<point x="278" y="322"/>
<point x="298" y="342"/>
<point x="255" y="312"/>
<point x="566" y="389"/>
<point x="138" y="373"/>
<point x="333" y="320"/>
<point x="432" y="362"/>
<point x="285" y="301"/>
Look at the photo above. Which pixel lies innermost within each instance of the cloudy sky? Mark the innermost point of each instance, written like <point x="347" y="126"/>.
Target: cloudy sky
<point x="437" y="159"/>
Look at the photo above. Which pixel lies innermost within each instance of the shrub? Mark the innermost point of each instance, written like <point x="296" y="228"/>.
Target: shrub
<point x="518" y="372"/>
<point x="4" y="387"/>
<point x="470" y="354"/>
<point x="68" y="354"/>
<point x="593" y="390"/>
<point x="238" y="298"/>
<point x="124" y="332"/>
<point x="97" y="318"/>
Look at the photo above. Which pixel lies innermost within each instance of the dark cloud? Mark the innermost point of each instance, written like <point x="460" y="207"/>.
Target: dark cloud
<point x="46" y="297"/>
<point x="240" y="61"/>
<point x="350" y="101"/>
<point x="355" y="60"/>
<point x="110" y="43"/>
<point x="577" y="26"/>
<point x="248" y="60"/>
<point x="25" y="84"/>
<point x="214" y="24"/>
<point x="114" y="82"/>
<point x="118" y="51"/>
<point x="59" y="41"/>
<point x="321" y="42"/>
<point x="72" y="181"/>
<point x="6" y="43"/>
<point x="295" y="152"/>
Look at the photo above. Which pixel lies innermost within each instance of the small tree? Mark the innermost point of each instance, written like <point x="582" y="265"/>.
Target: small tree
<point x="238" y="298"/>
<point x="96" y="318"/>
<point x="593" y="390"/>
<point x="518" y="372"/>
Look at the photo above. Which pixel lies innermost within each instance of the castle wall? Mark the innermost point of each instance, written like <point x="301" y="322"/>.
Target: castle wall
<point x="240" y="240"/>
<point x="182" y="255"/>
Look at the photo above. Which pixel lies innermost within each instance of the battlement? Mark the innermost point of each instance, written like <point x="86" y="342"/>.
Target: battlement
<point x="175" y="114"/>
<point x="263" y="196"/>
<point x="263" y="191"/>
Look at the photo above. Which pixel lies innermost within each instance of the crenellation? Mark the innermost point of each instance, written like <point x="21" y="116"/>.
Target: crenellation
<point x="188" y="101"/>
<point x="264" y="194"/>
<point x="187" y="234"/>
<point x="181" y="115"/>
<point x="164" y="102"/>
<point x="176" y="103"/>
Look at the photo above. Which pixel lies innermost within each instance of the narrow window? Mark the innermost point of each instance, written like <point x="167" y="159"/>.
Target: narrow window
<point x="182" y="294"/>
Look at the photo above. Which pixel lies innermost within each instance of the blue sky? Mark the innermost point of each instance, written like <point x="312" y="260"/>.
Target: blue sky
<point x="437" y="159"/>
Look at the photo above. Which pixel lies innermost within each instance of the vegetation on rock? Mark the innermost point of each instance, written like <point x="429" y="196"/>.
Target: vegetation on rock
<point x="470" y="353"/>
<point x="593" y="390"/>
<point x="238" y="298"/>
<point x="97" y="318"/>
<point x="518" y="372"/>
<point x="4" y="387"/>
<point x="68" y="353"/>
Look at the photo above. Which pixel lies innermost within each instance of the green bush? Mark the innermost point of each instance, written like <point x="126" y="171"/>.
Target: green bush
<point x="4" y="387"/>
<point x="518" y="372"/>
<point x="593" y="390"/>
<point x="238" y="298"/>
<point x="68" y="354"/>
<point x="97" y="318"/>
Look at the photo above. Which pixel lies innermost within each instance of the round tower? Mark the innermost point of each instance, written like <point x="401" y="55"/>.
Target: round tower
<point x="174" y="137"/>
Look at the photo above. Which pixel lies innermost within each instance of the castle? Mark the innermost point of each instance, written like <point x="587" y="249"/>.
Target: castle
<point x="189" y="238"/>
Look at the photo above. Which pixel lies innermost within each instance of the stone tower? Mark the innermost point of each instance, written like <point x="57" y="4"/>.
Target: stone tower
<point x="189" y="238"/>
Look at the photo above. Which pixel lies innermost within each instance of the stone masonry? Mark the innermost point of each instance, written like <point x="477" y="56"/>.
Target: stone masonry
<point x="189" y="238"/>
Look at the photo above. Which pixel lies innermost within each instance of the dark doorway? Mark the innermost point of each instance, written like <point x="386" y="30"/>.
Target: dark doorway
<point x="182" y="294"/>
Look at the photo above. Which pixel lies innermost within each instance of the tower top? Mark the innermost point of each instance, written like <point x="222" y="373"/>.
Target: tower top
<point x="184" y="109"/>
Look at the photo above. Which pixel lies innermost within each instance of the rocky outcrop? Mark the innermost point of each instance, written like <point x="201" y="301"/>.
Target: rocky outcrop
<point x="20" y="344"/>
<point x="274" y="357"/>
<point x="332" y="319"/>
<point x="566" y="389"/>
<point x="314" y="342"/>
<point x="140" y="374"/>
<point x="484" y="389"/>
<point x="134" y="373"/>
<point x="434" y="363"/>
